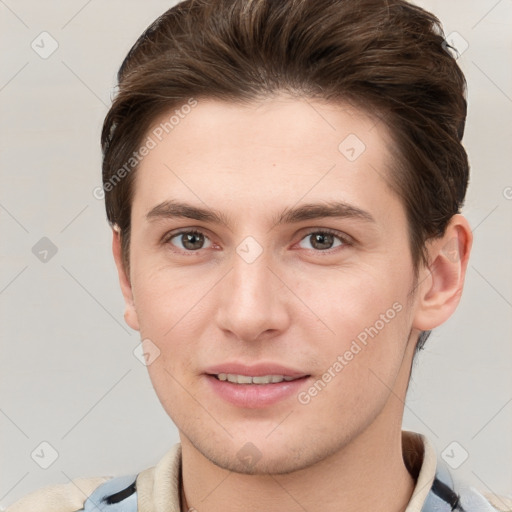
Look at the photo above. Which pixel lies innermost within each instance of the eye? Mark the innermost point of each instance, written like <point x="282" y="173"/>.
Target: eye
<point x="324" y="240"/>
<point x="188" y="241"/>
<point x="195" y="240"/>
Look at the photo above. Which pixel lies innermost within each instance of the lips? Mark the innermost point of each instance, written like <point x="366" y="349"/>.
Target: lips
<point x="254" y="386"/>
<point x="259" y="370"/>
<point x="246" y="379"/>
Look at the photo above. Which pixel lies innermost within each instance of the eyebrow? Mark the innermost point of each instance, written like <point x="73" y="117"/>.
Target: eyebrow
<point x="171" y="209"/>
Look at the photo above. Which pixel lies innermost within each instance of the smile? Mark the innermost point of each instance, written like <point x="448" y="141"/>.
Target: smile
<point x="246" y="379"/>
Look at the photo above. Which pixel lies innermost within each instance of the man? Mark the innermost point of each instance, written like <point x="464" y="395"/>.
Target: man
<point x="284" y="183"/>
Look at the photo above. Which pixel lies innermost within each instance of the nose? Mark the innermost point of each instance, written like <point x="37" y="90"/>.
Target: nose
<point x="253" y="301"/>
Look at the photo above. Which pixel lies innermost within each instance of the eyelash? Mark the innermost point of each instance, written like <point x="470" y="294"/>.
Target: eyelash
<point x="344" y="239"/>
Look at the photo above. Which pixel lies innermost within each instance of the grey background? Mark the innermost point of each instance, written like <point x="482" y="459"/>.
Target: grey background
<point x="68" y="373"/>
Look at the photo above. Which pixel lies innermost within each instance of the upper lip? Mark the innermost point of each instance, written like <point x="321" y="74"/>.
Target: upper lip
<point x="257" y="370"/>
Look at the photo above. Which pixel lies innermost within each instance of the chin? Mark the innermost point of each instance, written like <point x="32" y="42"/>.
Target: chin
<point x="263" y="457"/>
<point x="275" y="465"/>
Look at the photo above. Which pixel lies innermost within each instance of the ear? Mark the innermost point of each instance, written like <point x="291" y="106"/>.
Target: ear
<point x="130" y="313"/>
<point x="441" y="283"/>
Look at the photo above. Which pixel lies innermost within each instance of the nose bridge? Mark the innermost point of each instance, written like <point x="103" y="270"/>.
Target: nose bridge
<point x="251" y="278"/>
<point x="250" y="263"/>
<point x="250" y="304"/>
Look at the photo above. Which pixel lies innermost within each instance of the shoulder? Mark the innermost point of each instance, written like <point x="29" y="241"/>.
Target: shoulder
<point x="467" y="498"/>
<point x="157" y="484"/>
<point x="500" y="503"/>
<point x="437" y="489"/>
<point x="68" y="497"/>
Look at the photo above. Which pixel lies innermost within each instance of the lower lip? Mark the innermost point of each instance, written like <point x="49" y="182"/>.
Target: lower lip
<point x="255" y="396"/>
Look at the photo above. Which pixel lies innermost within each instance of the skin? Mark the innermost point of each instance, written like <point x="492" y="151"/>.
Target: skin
<point x="296" y="304"/>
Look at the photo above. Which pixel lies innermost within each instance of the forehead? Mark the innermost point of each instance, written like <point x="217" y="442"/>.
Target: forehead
<point x="278" y="123"/>
<point x="277" y="151"/>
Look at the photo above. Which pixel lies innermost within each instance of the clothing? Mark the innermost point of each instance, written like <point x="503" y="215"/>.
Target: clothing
<point x="157" y="489"/>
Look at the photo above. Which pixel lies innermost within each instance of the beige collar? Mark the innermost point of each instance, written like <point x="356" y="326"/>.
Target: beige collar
<point x="420" y="458"/>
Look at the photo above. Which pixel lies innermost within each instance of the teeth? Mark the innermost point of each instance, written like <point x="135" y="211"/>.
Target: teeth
<point x="245" y="379"/>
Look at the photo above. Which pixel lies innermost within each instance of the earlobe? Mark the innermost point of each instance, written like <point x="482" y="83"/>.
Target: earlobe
<point x="130" y="313"/>
<point x="442" y="282"/>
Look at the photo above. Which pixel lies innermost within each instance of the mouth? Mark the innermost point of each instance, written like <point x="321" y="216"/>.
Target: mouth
<point x="260" y="379"/>
<point x="255" y="387"/>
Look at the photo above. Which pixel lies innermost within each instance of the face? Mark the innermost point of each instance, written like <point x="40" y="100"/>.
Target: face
<point x="266" y="242"/>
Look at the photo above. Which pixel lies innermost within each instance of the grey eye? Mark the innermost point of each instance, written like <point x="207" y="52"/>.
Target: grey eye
<point x="190" y="240"/>
<point x="321" y="241"/>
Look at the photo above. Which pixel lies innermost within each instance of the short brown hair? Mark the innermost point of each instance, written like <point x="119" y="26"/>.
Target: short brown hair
<point x="387" y="57"/>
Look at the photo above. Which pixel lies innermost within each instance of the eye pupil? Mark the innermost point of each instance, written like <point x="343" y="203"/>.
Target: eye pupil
<point x="323" y="239"/>
<point x="190" y="240"/>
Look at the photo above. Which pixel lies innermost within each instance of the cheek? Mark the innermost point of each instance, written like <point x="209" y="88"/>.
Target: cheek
<point x="360" y="365"/>
<point x="352" y="301"/>
<point x="171" y="312"/>
<point x="167" y="301"/>
<point x="368" y="317"/>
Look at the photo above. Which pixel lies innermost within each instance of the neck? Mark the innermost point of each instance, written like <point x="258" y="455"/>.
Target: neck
<point x="369" y="474"/>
